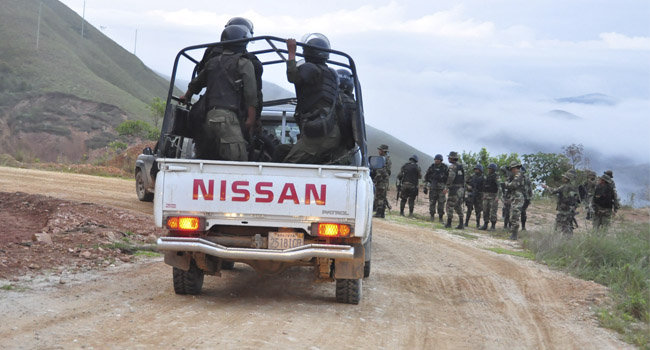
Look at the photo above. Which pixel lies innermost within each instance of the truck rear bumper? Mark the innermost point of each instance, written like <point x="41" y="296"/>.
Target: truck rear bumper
<point x="183" y="244"/>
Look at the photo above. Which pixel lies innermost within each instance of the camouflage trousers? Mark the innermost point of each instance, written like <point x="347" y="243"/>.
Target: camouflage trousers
<point x="408" y="193"/>
<point x="222" y="137"/>
<point x="490" y="206"/>
<point x="474" y="203"/>
<point x="455" y="202"/>
<point x="507" y="204"/>
<point x="380" y="196"/>
<point x="436" y="200"/>
<point x="516" y="205"/>
<point x="602" y="217"/>
<point x="316" y="150"/>
<point x="564" y="221"/>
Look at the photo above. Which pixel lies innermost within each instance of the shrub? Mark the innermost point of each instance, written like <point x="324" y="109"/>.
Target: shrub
<point x="139" y="129"/>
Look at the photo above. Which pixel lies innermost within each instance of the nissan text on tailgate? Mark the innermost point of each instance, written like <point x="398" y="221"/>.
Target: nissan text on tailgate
<point x="263" y="213"/>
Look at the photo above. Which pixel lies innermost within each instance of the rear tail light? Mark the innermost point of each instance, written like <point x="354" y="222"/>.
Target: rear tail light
<point x="187" y="224"/>
<point x="332" y="230"/>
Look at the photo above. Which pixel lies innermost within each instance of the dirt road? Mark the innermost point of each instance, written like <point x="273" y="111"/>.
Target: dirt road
<point x="429" y="289"/>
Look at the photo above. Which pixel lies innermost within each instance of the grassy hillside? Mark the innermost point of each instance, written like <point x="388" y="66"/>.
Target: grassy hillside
<point x="400" y="151"/>
<point x="93" y="67"/>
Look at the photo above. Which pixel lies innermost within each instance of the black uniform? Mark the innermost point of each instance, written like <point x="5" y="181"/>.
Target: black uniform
<point x="474" y="198"/>
<point x="409" y="177"/>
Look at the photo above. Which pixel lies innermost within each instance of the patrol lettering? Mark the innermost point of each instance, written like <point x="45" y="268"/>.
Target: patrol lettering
<point x="262" y="192"/>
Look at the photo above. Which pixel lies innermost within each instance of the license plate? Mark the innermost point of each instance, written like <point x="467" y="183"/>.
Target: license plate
<point x="285" y="240"/>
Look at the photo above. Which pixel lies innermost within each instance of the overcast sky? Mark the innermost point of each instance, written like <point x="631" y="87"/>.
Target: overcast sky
<point x="446" y="75"/>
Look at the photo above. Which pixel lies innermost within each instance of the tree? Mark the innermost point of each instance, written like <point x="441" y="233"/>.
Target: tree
<point x="575" y="153"/>
<point x="546" y="167"/>
<point x="157" y="109"/>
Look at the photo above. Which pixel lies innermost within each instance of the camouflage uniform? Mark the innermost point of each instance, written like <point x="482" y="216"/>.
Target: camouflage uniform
<point x="505" y="198"/>
<point x="409" y="177"/>
<point x="567" y="201"/>
<point x="590" y="187"/>
<point x="456" y="189"/>
<point x="490" y="199"/>
<point x="604" y="203"/>
<point x="474" y="199"/>
<point x="528" y="195"/>
<point x="434" y="183"/>
<point x="516" y="187"/>
<point x="381" y="180"/>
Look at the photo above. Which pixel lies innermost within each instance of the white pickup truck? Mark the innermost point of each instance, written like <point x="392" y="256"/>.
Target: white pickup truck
<point x="268" y="215"/>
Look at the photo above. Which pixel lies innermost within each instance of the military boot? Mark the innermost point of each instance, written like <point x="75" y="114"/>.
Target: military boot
<point x="440" y="218"/>
<point x="513" y="236"/>
<point x="492" y="228"/>
<point x="484" y="227"/>
<point x="460" y="224"/>
<point x="448" y="225"/>
<point x="401" y="208"/>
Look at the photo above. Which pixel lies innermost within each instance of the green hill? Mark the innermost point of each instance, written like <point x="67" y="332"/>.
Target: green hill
<point x="93" y="67"/>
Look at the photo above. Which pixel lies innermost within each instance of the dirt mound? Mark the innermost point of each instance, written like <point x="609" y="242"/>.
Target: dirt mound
<point x="47" y="233"/>
<point x="56" y="127"/>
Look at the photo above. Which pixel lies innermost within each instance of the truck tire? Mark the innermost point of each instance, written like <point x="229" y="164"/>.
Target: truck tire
<point x="366" y="269"/>
<point x="188" y="282"/>
<point x="140" y="188"/>
<point x="348" y="291"/>
<point x="368" y="252"/>
<point x="227" y="265"/>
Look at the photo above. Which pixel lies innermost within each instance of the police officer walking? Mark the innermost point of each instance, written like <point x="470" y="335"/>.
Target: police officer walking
<point x="381" y="180"/>
<point x="409" y="177"/>
<point x="455" y="189"/>
<point x="568" y="199"/>
<point x="516" y="186"/>
<point x="528" y="196"/>
<point x="604" y="203"/>
<point x="490" y="197"/>
<point x="317" y="88"/>
<point x="229" y="79"/>
<point x="474" y="198"/>
<point x="434" y="183"/>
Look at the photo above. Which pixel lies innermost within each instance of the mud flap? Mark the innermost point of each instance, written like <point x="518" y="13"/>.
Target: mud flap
<point x="351" y="269"/>
<point x="180" y="260"/>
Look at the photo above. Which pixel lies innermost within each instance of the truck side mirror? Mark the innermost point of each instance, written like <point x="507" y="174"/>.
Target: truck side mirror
<point x="147" y="151"/>
<point x="376" y="162"/>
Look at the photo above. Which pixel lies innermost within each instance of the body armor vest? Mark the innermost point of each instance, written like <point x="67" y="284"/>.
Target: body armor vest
<point x="322" y="90"/>
<point x="491" y="185"/>
<point x="224" y="87"/>
<point x="410" y="171"/>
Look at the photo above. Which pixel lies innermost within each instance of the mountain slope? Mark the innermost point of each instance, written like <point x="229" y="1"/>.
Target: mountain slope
<point x="93" y="67"/>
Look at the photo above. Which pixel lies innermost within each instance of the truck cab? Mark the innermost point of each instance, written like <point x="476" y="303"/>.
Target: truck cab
<point x="263" y="213"/>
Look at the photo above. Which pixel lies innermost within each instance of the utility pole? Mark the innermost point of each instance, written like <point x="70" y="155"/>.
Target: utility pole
<point x="83" y="20"/>
<point x="38" y="26"/>
<point x="135" y="43"/>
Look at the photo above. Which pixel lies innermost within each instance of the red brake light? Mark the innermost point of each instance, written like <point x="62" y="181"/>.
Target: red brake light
<point x="333" y="230"/>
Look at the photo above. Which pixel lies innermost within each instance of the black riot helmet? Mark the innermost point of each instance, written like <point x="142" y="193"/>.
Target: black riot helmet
<point x="235" y="32"/>
<point x="479" y="167"/>
<point x="345" y="80"/>
<point x="414" y="158"/>
<point x="241" y="21"/>
<point x="313" y="54"/>
<point x="493" y="166"/>
<point x="438" y="157"/>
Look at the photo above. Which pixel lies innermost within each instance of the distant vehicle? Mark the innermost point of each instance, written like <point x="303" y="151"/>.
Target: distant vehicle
<point x="268" y="215"/>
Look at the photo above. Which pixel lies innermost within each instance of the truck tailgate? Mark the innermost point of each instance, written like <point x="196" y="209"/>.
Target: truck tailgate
<point x="246" y="192"/>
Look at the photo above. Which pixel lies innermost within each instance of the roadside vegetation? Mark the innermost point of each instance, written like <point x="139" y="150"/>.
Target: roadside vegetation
<point x="618" y="259"/>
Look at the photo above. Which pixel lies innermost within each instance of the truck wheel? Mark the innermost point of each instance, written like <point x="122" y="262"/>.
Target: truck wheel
<point x="366" y="269"/>
<point x="188" y="282"/>
<point x="227" y="265"/>
<point x="140" y="189"/>
<point x="348" y="291"/>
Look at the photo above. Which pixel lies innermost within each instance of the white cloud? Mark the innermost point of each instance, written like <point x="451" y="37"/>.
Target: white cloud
<point x="621" y="42"/>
